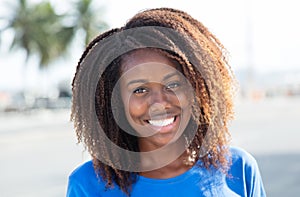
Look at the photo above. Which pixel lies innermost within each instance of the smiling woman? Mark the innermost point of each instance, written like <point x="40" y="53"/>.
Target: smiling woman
<point x="155" y="97"/>
<point x="151" y="102"/>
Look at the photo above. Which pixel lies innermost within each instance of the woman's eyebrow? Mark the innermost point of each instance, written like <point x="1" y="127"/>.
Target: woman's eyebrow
<point x="136" y="81"/>
<point x="170" y="75"/>
<point x="145" y="81"/>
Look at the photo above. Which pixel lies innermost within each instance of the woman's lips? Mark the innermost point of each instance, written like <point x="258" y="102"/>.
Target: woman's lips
<point x="162" y="122"/>
<point x="164" y="125"/>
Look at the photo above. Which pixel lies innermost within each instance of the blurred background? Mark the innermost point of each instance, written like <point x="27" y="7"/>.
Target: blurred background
<point x="41" y="42"/>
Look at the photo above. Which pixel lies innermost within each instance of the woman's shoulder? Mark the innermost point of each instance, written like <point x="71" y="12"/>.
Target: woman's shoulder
<point x="244" y="174"/>
<point x="83" y="169"/>
<point x="242" y="156"/>
<point x="84" y="181"/>
<point x="84" y="176"/>
<point x="243" y="163"/>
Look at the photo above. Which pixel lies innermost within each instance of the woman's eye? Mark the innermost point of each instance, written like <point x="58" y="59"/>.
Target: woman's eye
<point x="172" y="85"/>
<point x="139" y="91"/>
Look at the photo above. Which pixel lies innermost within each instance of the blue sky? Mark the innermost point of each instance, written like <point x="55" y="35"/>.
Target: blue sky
<point x="263" y="34"/>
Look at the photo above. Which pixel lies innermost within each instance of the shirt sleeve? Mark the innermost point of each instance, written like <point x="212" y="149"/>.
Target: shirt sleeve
<point x="74" y="189"/>
<point x="254" y="181"/>
<point x="83" y="182"/>
<point x="245" y="178"/>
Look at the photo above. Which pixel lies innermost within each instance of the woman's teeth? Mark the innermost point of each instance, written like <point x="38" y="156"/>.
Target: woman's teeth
<point x="162" y="123"/>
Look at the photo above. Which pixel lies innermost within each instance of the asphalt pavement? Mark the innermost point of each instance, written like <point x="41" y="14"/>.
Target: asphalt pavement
<point x="38" y="149"/>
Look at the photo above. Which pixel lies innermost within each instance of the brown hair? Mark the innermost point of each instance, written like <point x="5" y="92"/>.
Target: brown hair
<point x="204" y="63"/>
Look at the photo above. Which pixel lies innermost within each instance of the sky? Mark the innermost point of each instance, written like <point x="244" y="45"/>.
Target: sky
<point x="262" y="35"/>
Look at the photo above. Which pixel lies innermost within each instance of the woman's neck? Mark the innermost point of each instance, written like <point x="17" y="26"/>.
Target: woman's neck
<point x="173" y="169"/>
<point x="164" y="162"/>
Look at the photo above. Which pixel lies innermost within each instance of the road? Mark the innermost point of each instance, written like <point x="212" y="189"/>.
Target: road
<point x="38" y="149"/>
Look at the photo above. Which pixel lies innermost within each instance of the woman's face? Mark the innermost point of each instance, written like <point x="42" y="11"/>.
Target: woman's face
<point x="155" y="96"/>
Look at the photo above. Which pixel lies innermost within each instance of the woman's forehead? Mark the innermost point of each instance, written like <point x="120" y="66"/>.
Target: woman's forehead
<point x="146" y="56"/>
<point x="150" y="72"/>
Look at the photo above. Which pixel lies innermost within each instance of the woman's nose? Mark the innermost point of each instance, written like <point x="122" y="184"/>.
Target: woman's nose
<point x="158" y="95"/>
<point x="159" y="101"/>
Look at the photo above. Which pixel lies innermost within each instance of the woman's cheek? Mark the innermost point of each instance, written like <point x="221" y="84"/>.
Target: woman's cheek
<point x="137" y="106"/>
<point x="183" y="99"/>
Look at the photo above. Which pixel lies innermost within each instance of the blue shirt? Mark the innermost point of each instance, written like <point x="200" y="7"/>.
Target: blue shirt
<point x="243" y="179"/>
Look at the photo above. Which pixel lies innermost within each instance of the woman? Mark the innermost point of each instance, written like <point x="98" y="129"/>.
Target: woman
<point x="151" y="103"/>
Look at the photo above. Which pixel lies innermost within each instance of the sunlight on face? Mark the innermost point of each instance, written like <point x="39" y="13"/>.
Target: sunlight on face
<point x="155" y="97"/>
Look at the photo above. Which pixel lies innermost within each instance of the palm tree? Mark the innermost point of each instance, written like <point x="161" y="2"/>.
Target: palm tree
<point x="88" y="19"/>
<point x="42" y="33"/>
<point x="38" y="31"/>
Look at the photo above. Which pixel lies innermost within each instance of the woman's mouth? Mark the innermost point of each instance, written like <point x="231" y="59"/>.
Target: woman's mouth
<point x="162" y="122"/>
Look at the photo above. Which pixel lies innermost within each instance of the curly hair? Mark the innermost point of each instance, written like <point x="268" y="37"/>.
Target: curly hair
<point x="203" y="61"/>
